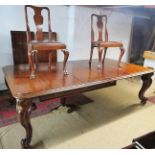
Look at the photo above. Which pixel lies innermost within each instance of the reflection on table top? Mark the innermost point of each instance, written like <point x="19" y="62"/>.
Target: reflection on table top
<point x="53" y="81"/>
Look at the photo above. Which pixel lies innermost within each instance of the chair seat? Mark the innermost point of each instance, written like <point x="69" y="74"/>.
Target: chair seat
<point x="107" y="44"/>
<point x="46" y="45"/>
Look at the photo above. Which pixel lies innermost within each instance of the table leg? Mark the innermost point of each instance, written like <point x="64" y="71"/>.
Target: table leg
<point x="147" y="81"/>
<point x="24" y="109"/>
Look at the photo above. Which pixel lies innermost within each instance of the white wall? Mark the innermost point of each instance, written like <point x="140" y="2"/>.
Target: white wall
<point x="119" y="28"/>
<point x="72" y="24"/>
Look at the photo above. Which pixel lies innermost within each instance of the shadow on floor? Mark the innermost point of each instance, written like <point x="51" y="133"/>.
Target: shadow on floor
<point x="104" y="110"/>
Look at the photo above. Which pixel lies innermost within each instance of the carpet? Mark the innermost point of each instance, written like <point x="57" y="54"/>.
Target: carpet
<point x="8" y="112"/>
<point x="151" y="99"/>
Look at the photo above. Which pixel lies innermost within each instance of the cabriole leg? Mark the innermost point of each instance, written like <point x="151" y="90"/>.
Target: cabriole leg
<point x="24" y="109"/>
<point x="100" y="51"/>
<point x="91" y="54"/>
<point x="66" y="55"/>
<point x="105" y="51"/>
<point x="147" y="81"/>
<point x="122" y="50"/>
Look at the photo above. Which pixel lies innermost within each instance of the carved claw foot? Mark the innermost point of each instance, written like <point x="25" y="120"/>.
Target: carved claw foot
<point x="25" y="144"/>
<point x="147" y="81"/>
<point x="144" y="100"/>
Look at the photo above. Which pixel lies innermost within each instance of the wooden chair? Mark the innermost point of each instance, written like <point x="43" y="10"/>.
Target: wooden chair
<point x="19" y="48"/>
<point x="100" y="43"/>
<point x="19" y="52"/>
<point x="40" y="44"/>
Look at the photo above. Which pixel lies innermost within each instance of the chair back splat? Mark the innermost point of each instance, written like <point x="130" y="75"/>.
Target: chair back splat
<point x="101" y="26"/>
<point x="38" y="20"/>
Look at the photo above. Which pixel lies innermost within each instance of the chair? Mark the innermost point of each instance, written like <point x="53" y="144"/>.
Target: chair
<point x="39" y="44"/>
<point x="100" y="43"/>
<point x="18" y="40"/>
<point x="19" y="48"/>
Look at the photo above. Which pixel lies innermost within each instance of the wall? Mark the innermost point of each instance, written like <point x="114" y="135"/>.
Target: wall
<point x="119" y="28"/>
<point x="13" y="18"/>
<point x="72" y="23"/>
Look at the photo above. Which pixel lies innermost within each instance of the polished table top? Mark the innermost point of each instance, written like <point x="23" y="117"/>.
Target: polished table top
<point x="80" y="76"/>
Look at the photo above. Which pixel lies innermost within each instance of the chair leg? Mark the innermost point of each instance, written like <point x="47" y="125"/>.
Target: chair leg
<point x="66" y="55"/>
<point x="100" y="51"/>
<point x="122" y="50"/>
<point x="31" y="64"/>
<point x="91" y="54"/>
<point x="36" y="58"/>
<point x="105" y="51"/>
<point x="50" y="61"/>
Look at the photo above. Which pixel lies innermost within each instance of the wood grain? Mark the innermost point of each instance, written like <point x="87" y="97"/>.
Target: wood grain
<point x="56" y="83"/>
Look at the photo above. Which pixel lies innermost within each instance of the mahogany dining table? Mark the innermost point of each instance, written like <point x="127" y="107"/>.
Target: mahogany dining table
<point x="53" y="83"/>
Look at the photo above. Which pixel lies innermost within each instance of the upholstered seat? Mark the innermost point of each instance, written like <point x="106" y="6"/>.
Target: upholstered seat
<point x="107" y="44"/>
<point x="46" y="45"/>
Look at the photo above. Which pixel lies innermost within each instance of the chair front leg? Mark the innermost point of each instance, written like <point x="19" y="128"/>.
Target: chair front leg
<point x="35" y="57"/>
<point x="100" y="51"/>
<point x="66" y="55"/>
<point x="31" y="64"/>
<point x="122" y="50"/>
<point x="91" y="54"/>
<point x="105" y="51"/>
